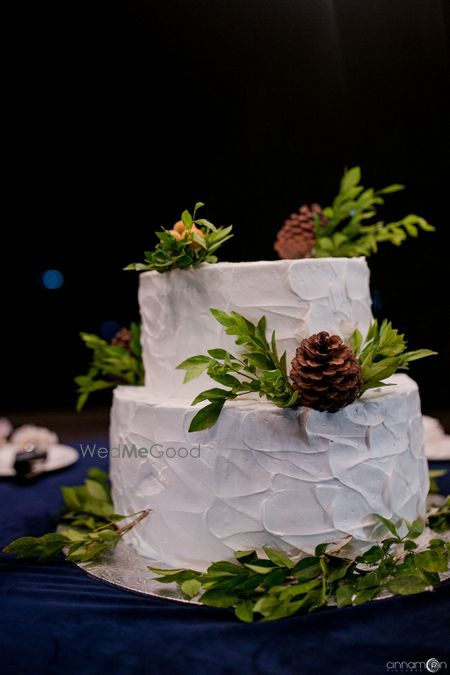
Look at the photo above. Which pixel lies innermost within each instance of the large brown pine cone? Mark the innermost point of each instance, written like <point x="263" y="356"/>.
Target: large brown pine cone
<point x="122" y="339"/>
<point x="297" y="237"/>
<point x="325" y="372"/>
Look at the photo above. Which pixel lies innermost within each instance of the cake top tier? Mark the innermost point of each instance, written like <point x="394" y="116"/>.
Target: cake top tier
<point x="298" y="298"/>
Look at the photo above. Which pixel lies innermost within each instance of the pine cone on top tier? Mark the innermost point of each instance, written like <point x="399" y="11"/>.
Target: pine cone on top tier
<point x="325" y="372"/>
<point x="122" y="339"/>
<point x="297" y="237"/>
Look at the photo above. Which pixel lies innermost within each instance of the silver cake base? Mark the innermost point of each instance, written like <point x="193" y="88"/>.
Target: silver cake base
<point x="126" y="569"/>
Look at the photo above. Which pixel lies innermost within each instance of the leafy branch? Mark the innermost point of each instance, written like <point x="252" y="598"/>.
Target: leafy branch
<point x="258" y="369"/>
<point x="277" y="586"/>
<point x="190" y="242"/>
<point x="381" y="353"/>
<point x="348" y="232"/>
<point x="90" y="526"/>
<point x="110" y="365"/>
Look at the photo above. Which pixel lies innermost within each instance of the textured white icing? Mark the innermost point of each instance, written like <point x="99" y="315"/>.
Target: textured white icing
<point x="298" y="297"/>
<point x="266" y="476"/>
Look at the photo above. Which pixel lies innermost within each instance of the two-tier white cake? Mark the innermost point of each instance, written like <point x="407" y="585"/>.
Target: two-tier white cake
<point x="288" y="478"/>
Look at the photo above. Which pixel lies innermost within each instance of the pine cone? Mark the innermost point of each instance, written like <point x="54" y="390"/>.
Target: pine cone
<point x="325" y="372"/>
<point x="297" y="237"/>
<point x="122" y="339"/>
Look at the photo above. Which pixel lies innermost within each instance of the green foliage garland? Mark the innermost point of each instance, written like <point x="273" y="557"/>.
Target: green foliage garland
<point x="353" y="227"/>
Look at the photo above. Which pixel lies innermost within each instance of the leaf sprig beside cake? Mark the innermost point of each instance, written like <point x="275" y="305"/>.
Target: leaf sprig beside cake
<point x="112" y="363"/>
<point x="190" y="242"/>
<point x="349" y="227"/>
<point x="326" y="374"/>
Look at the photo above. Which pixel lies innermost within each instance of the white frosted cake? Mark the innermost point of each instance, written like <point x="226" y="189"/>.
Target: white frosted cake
<point x="262" y="475"/>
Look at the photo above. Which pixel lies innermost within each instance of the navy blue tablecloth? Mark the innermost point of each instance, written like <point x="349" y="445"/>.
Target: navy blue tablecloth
<point x="55" y="619"/>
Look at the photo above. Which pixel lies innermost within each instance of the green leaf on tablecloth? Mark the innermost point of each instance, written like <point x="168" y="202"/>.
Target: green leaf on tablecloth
<point x="91" y="527"/>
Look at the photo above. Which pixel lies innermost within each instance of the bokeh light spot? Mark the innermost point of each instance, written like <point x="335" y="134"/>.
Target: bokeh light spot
<point x="52" y="279"/>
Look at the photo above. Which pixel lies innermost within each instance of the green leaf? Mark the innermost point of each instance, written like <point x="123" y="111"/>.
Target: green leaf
<point x="336" y="568"/>
<point x="71" y="498"/>
<point x="191" y="587"/>
<point x="432" y="561"/>
<point x="194" y="367"/>
<point x="374" y="554"/>
<point x="198" y="205"/>
<point x="299" y="589"/>
<point x="355" y="341"/>
<point x="278" y="557"/>
<point x="307" y="568"/>
<point x="351" y="178"/>
<point x="43" y="548"/>
<point x="207" y="416"/>
<point x="261" y="567"/>
<point x="266" y="604"/>
<point x="344" y="595"/>
<point x="418" y="354"/>
<point x="73" y="535"/>
<point x="246" y="556"/>
<point x="244" y="611"/>
<point x="371" y="580"/>
<point x="219" y="353"/>
<point x="395" y="187"/>
<point x="218" y="598"/>
<point x="407" y="585"/>
<point x="262" y="361"/>
<point x="165" y="572"/>
<point x="224" y="378"/>
<point x="96" y="490"/>
<point x="388" y="525"/>
<point x="409" y="544"/>
<point x="364" y="595"/>
<point x="416" y="529"/>
<point x="214" y="394"/>
<point x="186" y="218"/>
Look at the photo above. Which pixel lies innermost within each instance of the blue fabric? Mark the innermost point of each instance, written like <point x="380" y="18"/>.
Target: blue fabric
<point x="55" y="619"/>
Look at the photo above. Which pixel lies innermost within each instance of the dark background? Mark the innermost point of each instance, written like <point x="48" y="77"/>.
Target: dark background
<point x="122" y="114"/>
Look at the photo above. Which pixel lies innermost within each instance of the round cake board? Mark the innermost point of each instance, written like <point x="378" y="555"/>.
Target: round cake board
<point x="126" y="569"/>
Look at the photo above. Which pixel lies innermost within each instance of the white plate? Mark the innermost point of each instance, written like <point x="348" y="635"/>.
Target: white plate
<point x="439" y="452"/>
<point x="437" y="443"/>
<point x="58" y="457"/>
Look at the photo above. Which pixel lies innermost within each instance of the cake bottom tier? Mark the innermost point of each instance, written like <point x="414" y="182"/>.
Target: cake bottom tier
<point x="289" y="479"/>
